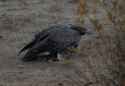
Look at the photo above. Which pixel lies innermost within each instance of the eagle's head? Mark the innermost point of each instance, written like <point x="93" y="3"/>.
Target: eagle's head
<point x="80" y="29"/>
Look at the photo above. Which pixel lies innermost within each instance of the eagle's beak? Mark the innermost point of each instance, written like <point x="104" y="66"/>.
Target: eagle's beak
<point x="89" y="32"/>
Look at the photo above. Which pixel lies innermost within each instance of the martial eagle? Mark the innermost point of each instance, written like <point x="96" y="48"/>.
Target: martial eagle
<point x="55" y="40"/>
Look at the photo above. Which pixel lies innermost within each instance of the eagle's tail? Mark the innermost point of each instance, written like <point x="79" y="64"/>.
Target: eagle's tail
<point x="27" y="46"/>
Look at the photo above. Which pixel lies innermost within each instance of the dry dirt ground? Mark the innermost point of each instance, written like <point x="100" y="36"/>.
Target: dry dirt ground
<point x="20" y="20"/>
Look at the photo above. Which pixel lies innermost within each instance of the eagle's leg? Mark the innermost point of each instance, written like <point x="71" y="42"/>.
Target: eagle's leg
<point x="53" y="56"/>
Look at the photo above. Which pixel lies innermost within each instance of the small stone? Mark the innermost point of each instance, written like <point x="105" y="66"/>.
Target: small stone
<point x="1" y="36"/>
<point x="60" y="84"/>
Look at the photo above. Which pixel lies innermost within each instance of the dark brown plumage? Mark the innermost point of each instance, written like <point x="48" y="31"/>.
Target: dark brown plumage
<point x="54" y="40"/>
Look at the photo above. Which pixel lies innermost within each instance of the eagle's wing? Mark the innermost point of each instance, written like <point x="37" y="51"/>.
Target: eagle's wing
<point x="38" y="37"/>
<point x="35" y="50"/>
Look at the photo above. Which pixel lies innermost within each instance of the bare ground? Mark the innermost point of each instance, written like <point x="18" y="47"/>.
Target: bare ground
<point x="21" y="19"/>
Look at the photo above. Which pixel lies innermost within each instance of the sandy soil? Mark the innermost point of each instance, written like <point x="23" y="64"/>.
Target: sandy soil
<point x="20" y="20"/>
